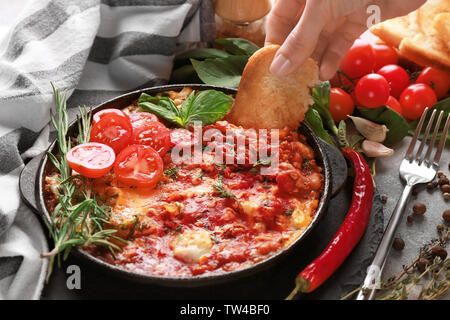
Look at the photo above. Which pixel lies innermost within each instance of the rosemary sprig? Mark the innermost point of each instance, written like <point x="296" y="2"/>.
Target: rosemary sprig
<point x="74" y="224"/>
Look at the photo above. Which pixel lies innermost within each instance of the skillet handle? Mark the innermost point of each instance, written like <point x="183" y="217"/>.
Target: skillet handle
<point x="28" y="183"/>
<point x="338" y="167"/>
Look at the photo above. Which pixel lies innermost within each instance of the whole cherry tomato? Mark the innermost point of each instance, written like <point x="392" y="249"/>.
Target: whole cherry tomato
<point x="397" y="78"/>
<point x="112" y="130"/>
<point x="92" y="160"/>
<point x="394" y="104"/>
<point x="341" y="104"/>
<point x="372" y="91"/>
<point x="437" y="79"/>
<point x="139" y="165"/>
<point x="415" y="99"/>
<point x="98" y="115"/>
<point x="153" y="134"/>
<point x="359" y="60"/>
<point x="384" y="55"/>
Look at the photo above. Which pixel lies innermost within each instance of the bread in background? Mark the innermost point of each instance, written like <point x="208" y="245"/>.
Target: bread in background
<point x="418" y="37"/>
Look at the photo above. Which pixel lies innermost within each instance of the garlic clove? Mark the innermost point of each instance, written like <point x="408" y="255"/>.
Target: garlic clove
<point x="370" y="130"/>
<point x="375" y="149"/>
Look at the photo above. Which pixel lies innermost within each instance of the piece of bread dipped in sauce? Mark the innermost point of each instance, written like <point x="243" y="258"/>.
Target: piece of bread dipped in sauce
<point x="267" y="101"/>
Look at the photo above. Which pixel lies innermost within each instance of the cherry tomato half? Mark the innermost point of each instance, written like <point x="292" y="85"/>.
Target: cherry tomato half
<point x="415" y="99"/>
<point x="394" y="104"/>
<point x="140" y="119"/>
<point x="153" y="134"/>
<point x="372" y="91"/>
<point x="96" y="118"/>
<point x="341" y="104"/>
<point x="112" y="130"/>
<point x="139" y="165"/>
<point x="92" y="160"/>
<point x="384" y="55"/>
<point x="182" y="138"/>
<point x="397" y="78"/>
<point x="359" y="60"/>
<point x="438" y="80"/>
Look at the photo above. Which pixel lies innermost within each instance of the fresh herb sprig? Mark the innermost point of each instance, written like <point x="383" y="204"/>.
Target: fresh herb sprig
<point x="206" y="107"/>
<point x="74" y="224"/>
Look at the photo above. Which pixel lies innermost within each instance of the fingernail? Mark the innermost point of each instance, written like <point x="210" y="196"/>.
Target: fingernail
<point x="280" y="65"/>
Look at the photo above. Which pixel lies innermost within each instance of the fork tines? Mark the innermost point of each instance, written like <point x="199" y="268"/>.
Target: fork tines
<point x="418" y="156"/>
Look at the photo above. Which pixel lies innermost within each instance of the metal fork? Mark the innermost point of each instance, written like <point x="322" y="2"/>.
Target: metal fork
<point x="414" y="169"/>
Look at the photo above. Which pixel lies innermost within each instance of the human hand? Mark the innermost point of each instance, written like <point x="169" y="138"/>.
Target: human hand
<point x="322" y="29"/>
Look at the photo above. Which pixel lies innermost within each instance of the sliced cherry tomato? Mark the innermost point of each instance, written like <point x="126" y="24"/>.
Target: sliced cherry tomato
<point x="359" y="60"/>
<point x="438" y="80"/>
<point x="140" y="119"/>
<point x="102" y="113"/>
<point x="372" y="91"/>
<point x="182" y="138"/>
<point x="384" y="55"/>
<point x="92" y="160"/>
<point x="153" y="134"/>
<point x="397" y="78"/>
<point x="112" y="130"/>
<point x="139" y="165"/>
<point x="415" y="99"/>
<point x="394" y="104"/>
<point x="341" y="104"/>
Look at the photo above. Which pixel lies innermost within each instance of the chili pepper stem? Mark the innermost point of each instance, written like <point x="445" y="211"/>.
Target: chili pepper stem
<point x="301" y="285"/>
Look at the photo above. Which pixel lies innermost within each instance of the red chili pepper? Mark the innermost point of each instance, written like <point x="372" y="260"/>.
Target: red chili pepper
<point x="349" y="233"/>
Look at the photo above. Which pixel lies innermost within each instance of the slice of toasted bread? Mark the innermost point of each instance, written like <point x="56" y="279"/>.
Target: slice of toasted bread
<point x="266" y="101"/>
<point x="393" y="31"/>
<point x="442" y="26"/>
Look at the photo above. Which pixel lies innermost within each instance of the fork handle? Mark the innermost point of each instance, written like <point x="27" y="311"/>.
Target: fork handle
<point x="373" y="277"/>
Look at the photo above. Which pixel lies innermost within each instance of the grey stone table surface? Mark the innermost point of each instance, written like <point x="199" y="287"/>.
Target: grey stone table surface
<point x="423" y="228"/>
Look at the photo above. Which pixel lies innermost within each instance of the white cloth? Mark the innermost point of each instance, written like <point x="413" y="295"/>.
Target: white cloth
<point x="92" y="49"/>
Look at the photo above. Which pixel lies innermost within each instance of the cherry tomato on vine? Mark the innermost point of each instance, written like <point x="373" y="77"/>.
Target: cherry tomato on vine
<point x="341" y="104"/>
<point x="139" y="165"/>
<point x="359" y="60"/>
<point x="112" y="130"/>
<point x="153" y="134"/>
<point x="394" y="104"/>
<point x="384" y="55"/>
<point x="438" y="80"/>
<point x="415" y="99"/>
<point x="92" y="160"/>
<point x="397" y="78"/>
<point x="372" y="91"/>
<point x="97" y="116"/>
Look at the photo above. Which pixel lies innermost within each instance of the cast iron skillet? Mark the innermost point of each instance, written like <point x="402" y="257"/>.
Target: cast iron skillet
<point x="334" y="170"/>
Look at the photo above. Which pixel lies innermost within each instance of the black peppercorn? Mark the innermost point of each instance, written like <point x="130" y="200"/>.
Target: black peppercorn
<point x="398" y="244"/>
<point x="423" y="264"/>
<point x="445" y="188"/>
<point x="446" y="215"/>
<point x="419" y="208"/>
<point x="439" y="251"/>
<point x="443" y="180"/>
<point x="432" y="185"/>
<point x="410" y="219"/>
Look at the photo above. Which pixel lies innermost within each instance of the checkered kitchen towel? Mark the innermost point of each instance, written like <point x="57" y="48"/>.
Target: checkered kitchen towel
<point x="95" y="50"/>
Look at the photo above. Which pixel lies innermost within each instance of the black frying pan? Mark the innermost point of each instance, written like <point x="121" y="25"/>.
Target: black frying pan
<point x="328" y="157"/>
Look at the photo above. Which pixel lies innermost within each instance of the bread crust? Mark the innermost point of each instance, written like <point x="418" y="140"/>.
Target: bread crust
<point x="267" y="101"/>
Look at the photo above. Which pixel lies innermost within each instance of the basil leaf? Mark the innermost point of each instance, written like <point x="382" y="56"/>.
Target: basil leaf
<point x="207" y="106"/>
<point x="314" y="121"/>
<point x="238" y="46"/>
<point x="321" y="98"/>
<point x="224" y="72"/>
<point x="397" y="125"/>
<point x="161" y="106"/>
<point x="201" y="54"/>
<point x="185" y="74"/>
<point x="443" y="105"/>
